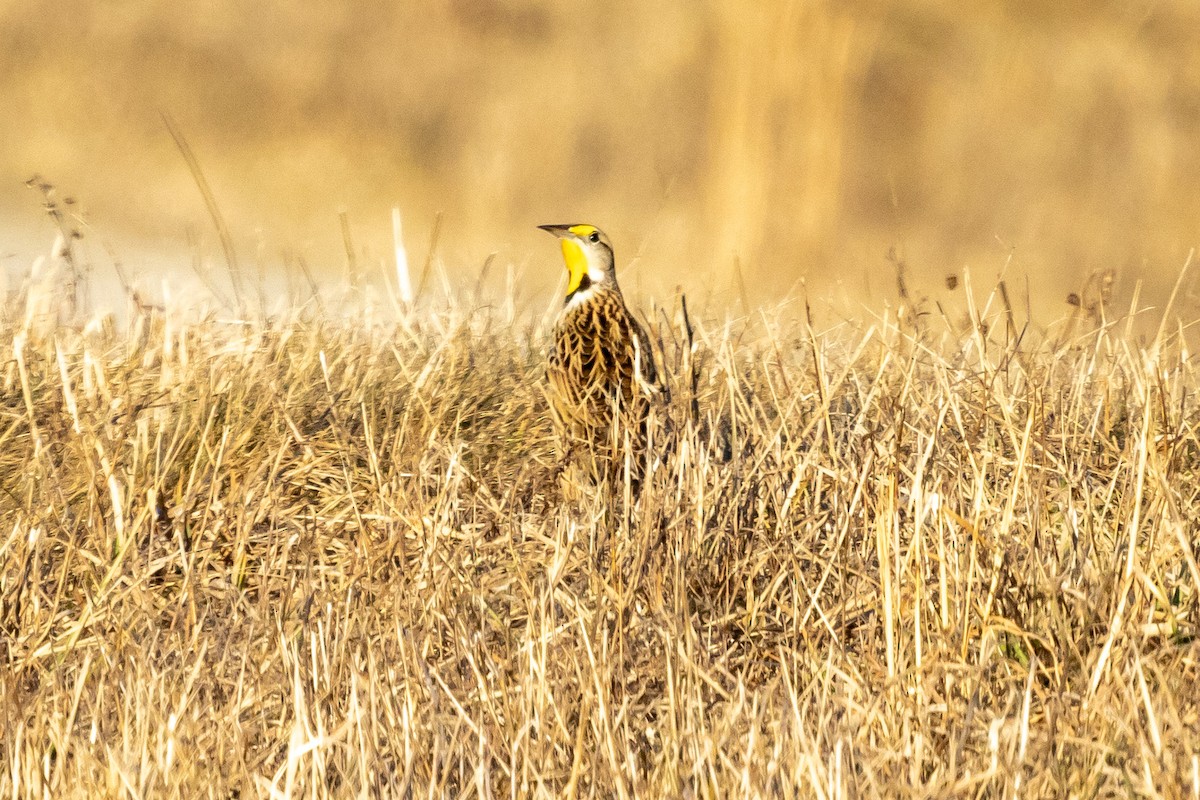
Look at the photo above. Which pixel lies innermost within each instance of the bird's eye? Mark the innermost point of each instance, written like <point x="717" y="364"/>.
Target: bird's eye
<point x="595" y="237"/>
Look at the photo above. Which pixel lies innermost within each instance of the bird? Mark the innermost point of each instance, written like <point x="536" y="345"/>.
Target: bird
<point x="601" y="372"/>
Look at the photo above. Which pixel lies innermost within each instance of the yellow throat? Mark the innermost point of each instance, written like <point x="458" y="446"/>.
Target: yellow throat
<point x="577" y="264"/>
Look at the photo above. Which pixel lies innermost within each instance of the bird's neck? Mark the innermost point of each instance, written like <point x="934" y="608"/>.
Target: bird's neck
<point x="580" y="291"/>
<point x="589" y="290"/>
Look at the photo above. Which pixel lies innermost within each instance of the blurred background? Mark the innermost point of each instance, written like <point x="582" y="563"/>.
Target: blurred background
<point x="742" y="149"/>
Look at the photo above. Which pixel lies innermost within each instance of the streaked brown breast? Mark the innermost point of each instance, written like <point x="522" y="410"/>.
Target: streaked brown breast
<point x="594" y="367"/>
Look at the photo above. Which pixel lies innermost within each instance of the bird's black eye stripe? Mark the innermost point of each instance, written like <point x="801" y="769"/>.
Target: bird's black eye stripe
<point x="595" y="237"/>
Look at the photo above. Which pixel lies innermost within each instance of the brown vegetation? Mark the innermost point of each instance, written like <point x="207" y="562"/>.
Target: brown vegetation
<point x="313" y="556"/>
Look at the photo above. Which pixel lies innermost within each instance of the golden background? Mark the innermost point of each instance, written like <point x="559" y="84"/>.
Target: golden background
<point x="732" y="147"/>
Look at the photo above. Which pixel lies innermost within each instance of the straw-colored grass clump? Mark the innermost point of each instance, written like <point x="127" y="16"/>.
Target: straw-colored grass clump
<point x="310" y="556"/>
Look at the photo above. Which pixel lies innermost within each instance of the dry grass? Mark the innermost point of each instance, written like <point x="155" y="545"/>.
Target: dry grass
<point x="310" y="556"/>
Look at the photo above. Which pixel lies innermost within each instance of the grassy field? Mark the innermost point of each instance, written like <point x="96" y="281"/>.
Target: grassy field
<point x="325" y="554"/>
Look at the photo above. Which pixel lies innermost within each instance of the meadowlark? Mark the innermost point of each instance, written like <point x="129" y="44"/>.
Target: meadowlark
<point x="601" y="369"/>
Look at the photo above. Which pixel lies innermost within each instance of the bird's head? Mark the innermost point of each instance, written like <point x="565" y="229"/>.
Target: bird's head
<point x="588" y="255"/>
